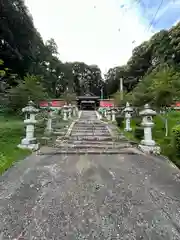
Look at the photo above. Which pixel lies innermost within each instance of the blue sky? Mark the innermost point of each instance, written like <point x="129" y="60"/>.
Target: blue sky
<point x="102" y="32"/>
<point x="168" y="14"/>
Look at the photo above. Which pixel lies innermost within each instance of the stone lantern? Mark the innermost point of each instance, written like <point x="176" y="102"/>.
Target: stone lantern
<point x="49" y="120"/>
<point x="108" y="114"/>
<point x="113" y="115"/>
<point x="128" y="111"/>
<point x="105" y="112"/>
<point x="65" y="113"/>
<point x="76" y="110"/>
<point x="69" y="111"/>
<point x="148" y="144"/>
<point x="74" y="113"/>
<point x="29" y="141"/>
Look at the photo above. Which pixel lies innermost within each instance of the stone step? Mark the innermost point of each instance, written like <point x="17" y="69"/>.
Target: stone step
<point x="57" y="151"/>
<point x="90" y="138"/>
<point x="91" y="142"/>
<point x="90" y="123"/>
<point x="59" y="133"/>
<point x="88" y="128"/>
<point x="90" y="134"/>
<point x="89" y="146"/>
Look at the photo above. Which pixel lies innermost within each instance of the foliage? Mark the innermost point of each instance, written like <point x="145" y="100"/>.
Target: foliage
<point x="24" y="52"/>
<point x="159" y="88"/>
<point x="151" y="74"/>
<point x="119" y="120"/>
<point x="139" y="133"/>
<point x="165" y="87"/>
<point x="69" y="97"/>
<point x="29" y="88"/>
<point x="137" y="120"/>
<point x="118" y="99"/>
<point x="40" y="126"/>
<point x="170" y="146"/>
<point x="176" y="139"/>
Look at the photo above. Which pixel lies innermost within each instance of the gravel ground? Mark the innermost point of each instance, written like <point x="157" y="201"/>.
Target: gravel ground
<point x="90" y="197"/>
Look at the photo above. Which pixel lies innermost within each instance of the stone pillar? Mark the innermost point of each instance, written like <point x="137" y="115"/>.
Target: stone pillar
<point x="148" y="144"/>
<point x="98" y="114"/>
<point x="113" y="115"/>
<point x="49" y="121"/>
<point x="74" y="111"/>
<point x="108" y="114"/>
<point x="128" y="110"/>
<point x="65" y="113"/>
<point x="105" y="113"/>
<point x="29" y="141"/>
<point x="69" y="111"/>
<point x="77" y="111"/>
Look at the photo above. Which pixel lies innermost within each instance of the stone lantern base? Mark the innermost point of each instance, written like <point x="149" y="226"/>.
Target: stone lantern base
<point x="48" y="132"/>
<point x="29" y="144"/>
<point x="148" y="142"/>
<point x="128" y="129"/>
<point x="153" y="149"/>
<point x="98" y="115"/>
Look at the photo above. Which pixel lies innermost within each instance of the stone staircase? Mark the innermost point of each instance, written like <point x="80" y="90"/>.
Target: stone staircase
<point x="92" y="136"/>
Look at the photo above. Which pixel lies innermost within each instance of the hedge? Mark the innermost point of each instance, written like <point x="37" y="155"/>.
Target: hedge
<point x="119" y="120"/>
<point x="139" y="133"/>
<point x="176" y="139"/>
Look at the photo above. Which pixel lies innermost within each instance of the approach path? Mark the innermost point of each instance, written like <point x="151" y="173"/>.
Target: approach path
<point x="90" y="196"/>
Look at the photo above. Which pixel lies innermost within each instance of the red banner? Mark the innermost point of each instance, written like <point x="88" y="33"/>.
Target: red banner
<point x="43" y="104"/>
<point x="177" y="104"/>
<point x="57" y="103"/>
<point x="106" y="103"/>
<point x="53" y="103"/>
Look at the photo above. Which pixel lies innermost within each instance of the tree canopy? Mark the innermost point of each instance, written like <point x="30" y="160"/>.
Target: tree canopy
<point x="28" y="58"/>
<point x="152" y="72"/>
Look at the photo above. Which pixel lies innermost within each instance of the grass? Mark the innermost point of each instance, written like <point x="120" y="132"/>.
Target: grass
<point x="159" y="134"/>
<point x="166" y="142"/>
<point x="129" y="135"/>
<point x="12" y="130"/>
<point x="11" y="133"/>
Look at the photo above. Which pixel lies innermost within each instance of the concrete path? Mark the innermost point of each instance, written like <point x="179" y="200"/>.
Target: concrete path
<point x="86" y="196"/>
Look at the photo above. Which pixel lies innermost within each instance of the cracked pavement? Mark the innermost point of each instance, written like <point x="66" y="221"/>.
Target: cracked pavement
<point x="90" y="197"/>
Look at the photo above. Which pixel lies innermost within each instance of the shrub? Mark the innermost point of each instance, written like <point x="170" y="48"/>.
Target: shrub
<point x="60" y="111"/>
<point x="41" y="118"/>
<point x="31" y="87"/>
<point x="137" y="121"/>
<point x="139" y="133"/>
<point x="176" y="139"/>
<point x="119" y="120"/>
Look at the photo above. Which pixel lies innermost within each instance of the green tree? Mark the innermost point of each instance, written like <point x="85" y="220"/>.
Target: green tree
<point x="69" y="96"/>
<point x="30" y="88"/>
<point x="165" y="87"/>
<point x="162" y="49"/>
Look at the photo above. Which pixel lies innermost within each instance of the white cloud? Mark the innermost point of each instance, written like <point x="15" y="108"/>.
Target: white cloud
<point x="93" y="31"/>
<point x="176" y="22"/>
